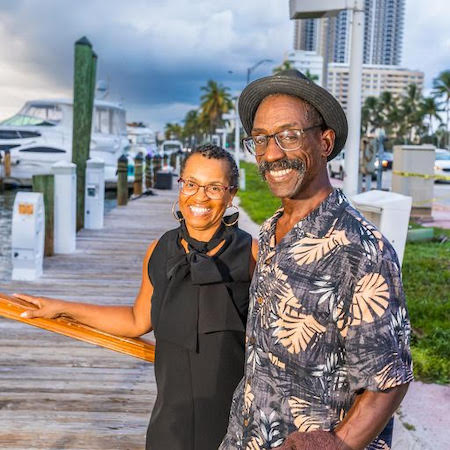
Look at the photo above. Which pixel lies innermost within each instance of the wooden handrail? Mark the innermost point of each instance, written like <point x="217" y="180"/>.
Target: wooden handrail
<point x="11" y="308"/>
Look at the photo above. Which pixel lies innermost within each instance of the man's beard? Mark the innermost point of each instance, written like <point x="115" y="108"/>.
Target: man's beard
<point x="281" y="164"/>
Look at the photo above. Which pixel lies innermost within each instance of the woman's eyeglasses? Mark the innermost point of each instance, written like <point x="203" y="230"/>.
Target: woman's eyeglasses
<point x="213" y="191"/>
<point x="287" y="140"/>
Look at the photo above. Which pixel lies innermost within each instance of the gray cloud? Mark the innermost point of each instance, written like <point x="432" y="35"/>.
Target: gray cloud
<point x="157" y="54"/>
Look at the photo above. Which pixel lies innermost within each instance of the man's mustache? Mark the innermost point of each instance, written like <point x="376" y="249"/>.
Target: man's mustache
<point x="281" y="164"/>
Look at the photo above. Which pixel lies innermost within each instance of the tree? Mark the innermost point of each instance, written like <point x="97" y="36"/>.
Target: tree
<point x="285" y="65"/>
<point x="441" y="88"/>
<point x="430" y="108"/>
<point x="311" y="76"/>
<point x="215" y="102"/>
<point x="173" y="131"/>
<point x="192" y="127"/>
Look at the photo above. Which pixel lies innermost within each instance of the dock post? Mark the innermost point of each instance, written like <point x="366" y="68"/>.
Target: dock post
<point x="138" y="163"/>
<point x="7" y="163"/>
<point x="122" y="181"/>
<point x="65" y="207"/>
<point x="157" y="164"/>
<point x="148" y="171"/>
<point x="45" y="185"/>
<point x="83" y="98"/>
<point x="2" y="187"/>
<point x="173" y="160"/>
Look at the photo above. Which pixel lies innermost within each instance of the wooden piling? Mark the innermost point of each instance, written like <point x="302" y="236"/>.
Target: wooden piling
<point x="148" y="172"/>
<point x="45" y="184"/>
<point x="122" y="181"/>
<point x="7" y="163"/>
<point x="83" y="98"/>
<point x="2" y="186"/>
<point x="138" y="163"/>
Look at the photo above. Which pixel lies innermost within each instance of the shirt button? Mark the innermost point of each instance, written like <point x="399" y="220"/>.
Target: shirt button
<point x="268" y="261"/>
<point x="245" y="422"/>
<point x="260" y="300"/>
<point x="252" y="340"/>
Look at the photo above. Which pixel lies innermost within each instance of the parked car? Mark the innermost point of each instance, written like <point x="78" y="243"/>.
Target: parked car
<point x="171" y="146"/>
<point x="386" y="161"/>
<point x="336" y="166"/>
<point x="41" y="134"/>
<point x="442" y="164"/>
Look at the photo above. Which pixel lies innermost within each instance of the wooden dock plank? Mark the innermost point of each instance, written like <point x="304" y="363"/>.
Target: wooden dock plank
<point x="58" y="393"/>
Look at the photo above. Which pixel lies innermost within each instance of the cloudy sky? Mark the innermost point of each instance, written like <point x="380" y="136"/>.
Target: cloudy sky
<point x="156" y="54"/>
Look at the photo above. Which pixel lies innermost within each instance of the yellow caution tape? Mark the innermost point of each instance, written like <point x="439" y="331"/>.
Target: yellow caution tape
<point x="421" y="175"/>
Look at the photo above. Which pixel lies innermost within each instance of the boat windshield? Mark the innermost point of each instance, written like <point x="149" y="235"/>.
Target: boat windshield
<point x="36" y="115"/>
<point x="171" y="147"/>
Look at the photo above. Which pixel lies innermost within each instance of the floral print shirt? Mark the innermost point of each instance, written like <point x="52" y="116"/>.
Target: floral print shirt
<point x="327" y="319"/>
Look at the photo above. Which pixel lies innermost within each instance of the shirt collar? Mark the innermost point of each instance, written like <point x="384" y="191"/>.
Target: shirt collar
<point x="317" y="223"/>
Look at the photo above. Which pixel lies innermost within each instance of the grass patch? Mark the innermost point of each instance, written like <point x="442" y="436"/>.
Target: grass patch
<point x="426" y="280"/>
<point x="257" y="200"/>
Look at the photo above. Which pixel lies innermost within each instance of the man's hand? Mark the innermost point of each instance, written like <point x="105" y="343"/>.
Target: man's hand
<point x="314" y="440"/>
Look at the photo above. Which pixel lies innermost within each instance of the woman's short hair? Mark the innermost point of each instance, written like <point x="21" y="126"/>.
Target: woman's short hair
<point x="211" y="151"/>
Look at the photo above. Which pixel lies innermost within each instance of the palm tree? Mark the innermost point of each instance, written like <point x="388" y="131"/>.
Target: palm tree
<point x="173" y="131"/>
<point x="311" y="76"/>
<point x="371" y="115"/>
<point x="285" y="65"/>
<point x="441" y="88"/>
<point x="430" y="108"/>
<point x="192" y="127"/>
<point x="412" y="116"/>
<point x="214" y="103"/>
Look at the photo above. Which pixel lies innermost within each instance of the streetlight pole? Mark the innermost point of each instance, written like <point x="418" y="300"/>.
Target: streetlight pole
<point x="310" y="9"/>
<point x="252" y="68"/>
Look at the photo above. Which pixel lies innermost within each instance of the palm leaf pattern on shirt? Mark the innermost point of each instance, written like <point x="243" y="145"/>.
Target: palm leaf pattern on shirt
<point x="302" y="421"/>
<point x="295" y="330"/>
<point x="248" y="398"/>
<point x="370" y="298"/>
<point x="310" y="249"/>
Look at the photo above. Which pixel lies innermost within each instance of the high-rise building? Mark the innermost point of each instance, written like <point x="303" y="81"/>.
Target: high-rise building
<point x="375" y="80"/>
<point x="383" y="34"/>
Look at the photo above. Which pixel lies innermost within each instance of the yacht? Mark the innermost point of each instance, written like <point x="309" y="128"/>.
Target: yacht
<point x="40" y="134"/>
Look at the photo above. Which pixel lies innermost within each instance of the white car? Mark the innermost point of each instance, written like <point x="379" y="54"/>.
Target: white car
<point x="41" y="134"/>
<point x="442" y="164"/>
<point x="336" y="166"/>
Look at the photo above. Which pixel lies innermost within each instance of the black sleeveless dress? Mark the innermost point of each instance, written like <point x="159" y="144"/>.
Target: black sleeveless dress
<point x="199" y="311"/>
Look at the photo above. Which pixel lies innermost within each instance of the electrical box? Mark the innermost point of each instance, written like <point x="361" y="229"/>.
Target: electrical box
<point x="389" y="212"/>
<point x="65" y="207"/>
<point x="412" y="175"/>
<point x="28" y="234"/>
<point x="94" y="199"/>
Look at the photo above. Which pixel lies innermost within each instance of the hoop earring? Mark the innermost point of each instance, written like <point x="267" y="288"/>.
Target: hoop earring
<point x="231" y="216"/>
<point x="177" y="214"/>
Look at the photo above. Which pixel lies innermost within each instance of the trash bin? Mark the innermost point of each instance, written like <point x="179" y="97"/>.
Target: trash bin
<point x="389" y="212"/>
<point x="163" y="180"/>
<point x="94" y="199"/>
<point x="28" y="234"/>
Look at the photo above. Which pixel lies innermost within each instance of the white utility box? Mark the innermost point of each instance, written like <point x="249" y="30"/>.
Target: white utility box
<point x="28" y="234"/>
<point x="389" y="212"/>
<point x="65" y="204"/>
<point x="94" y="199"/>
<point x="412" y="175"/>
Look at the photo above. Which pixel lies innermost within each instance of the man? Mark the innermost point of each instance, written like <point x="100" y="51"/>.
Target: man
<point x="327" y="357"/>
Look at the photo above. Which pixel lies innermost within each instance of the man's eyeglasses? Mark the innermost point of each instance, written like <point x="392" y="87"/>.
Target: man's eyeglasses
<point x="287" y="140"/>
<point x="213" y="191"/>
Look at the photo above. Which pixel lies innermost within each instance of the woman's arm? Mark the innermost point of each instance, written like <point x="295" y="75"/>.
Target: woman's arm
<point x="130" y="321"/>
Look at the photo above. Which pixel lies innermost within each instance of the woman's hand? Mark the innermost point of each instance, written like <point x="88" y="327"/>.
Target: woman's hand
<point x="47" y="308"/>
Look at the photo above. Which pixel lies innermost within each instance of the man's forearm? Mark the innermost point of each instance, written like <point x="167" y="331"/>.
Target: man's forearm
<point x="368" y="416"/>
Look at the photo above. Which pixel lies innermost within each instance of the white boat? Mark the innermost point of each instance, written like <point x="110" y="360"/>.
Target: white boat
<point x="41" y="134"/>
<point x="142" y="139"/>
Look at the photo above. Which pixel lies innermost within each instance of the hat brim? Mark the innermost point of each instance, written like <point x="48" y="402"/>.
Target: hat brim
<point x="305" y="89"/>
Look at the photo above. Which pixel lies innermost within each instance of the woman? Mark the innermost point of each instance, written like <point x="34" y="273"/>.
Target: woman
<point x="194" y="295"/>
